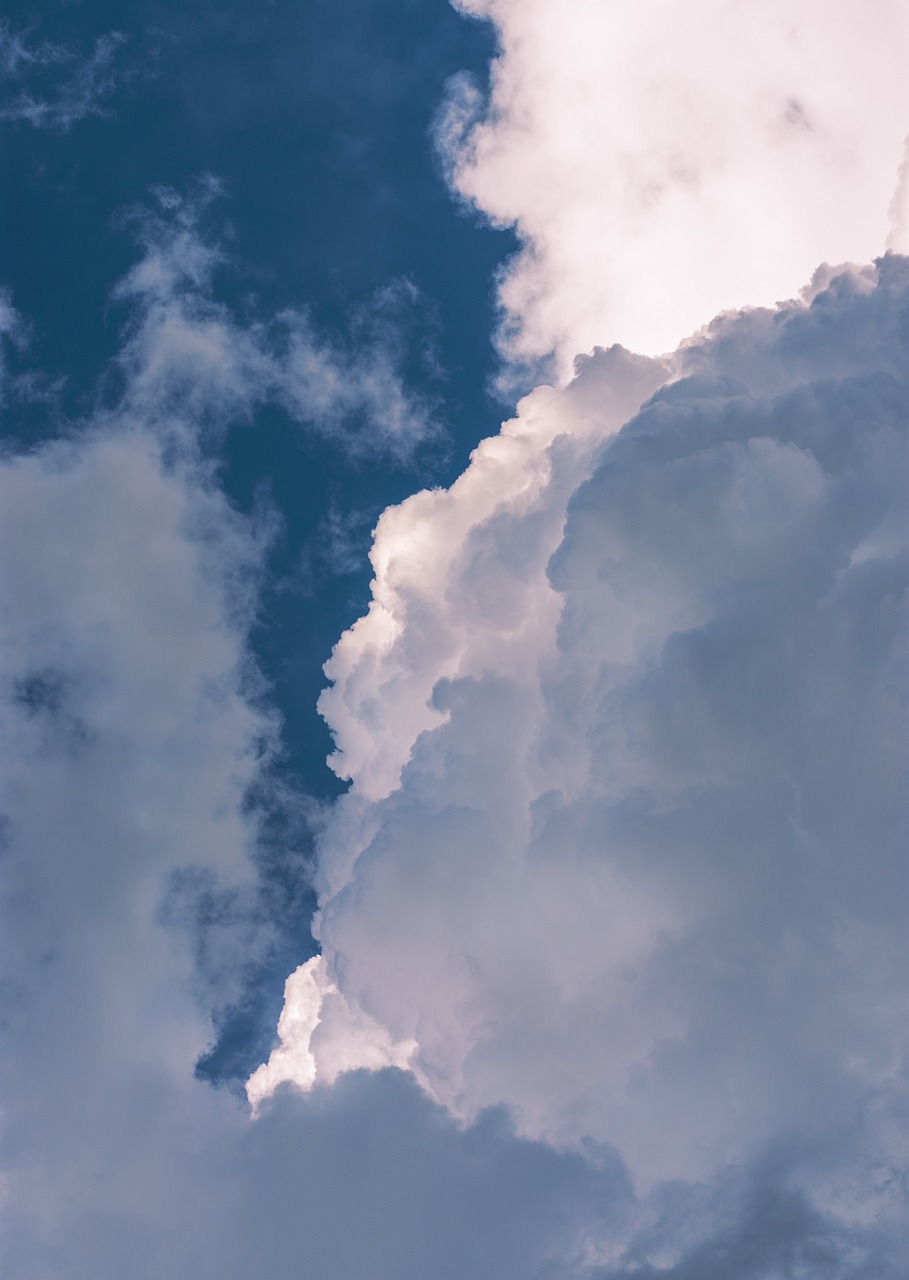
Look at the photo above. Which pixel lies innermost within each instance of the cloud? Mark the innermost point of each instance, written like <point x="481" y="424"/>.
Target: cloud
<point x="366" y="1182"/>
<point x="131" y="741"/>
<point x="898" y="239"/>
<point x="132" y="738"/>
<point x="136" y="728"/>
<point x="131" y="586"/>
<point x="623" y="849"/>
<point x="618" y="879"/>
<point x="136" y="732"/>
<point x="53" y="86"/>
<point x="187" y="349"/>
<point x="355" y="390"/>
<point x="662" y="163"/>
<point x="12" y="332"/>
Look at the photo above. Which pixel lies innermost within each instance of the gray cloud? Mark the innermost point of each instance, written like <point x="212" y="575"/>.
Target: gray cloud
<point x="632" y="879"/>
<point x="134" y="731"/>
<point x="367" y="1182"/>
<point x="624" y="849"/>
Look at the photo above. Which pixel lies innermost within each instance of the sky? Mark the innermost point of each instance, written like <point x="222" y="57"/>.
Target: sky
<point x="453" y="660"/>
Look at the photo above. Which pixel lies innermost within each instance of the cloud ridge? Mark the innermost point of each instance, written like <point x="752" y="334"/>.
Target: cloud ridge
<point x="622" y="849"/>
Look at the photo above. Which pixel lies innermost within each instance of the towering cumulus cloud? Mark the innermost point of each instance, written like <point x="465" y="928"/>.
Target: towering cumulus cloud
<point x="662" y="162"/>
<point x="611" y="917"/>
<point x="622" y="848"/>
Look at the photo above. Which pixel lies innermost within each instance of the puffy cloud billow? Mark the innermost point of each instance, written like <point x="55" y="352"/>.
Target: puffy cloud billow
<point x="624" y="846"/>
<point x="136" y="728"/>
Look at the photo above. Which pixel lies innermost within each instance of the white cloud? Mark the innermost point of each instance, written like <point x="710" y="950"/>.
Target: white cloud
<point x="898" y="239"/>
<point x="356" y="393"/>
<point x="664" y="162"/>
<point x="623" y="847"/>
<point x="420" y="550"/>
<point x="316" y="1014"/>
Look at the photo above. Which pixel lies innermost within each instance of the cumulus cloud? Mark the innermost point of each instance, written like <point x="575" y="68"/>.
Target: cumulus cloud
<point x="623" y="849"/>
<point x="664" y="162"/>
<point x="131" y="740"/>
<point x="53" y="86"/>
<point x="320" y="1035"/>
<point x="618" y="886"/>
<point x="135" y="730"/>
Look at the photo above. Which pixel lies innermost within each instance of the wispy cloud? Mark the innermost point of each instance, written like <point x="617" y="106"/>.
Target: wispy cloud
<point x="53" y="86"/>
<point x="132" y="738"/>
<point x="12" y="331"/>
<point x="352" y="389"/>
<point x="188" y="351"/>
<point x="136" y="734"/>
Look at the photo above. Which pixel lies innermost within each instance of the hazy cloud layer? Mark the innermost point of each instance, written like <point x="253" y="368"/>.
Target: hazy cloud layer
<point x="624" y="844"/>
<point x="664" y="162"/>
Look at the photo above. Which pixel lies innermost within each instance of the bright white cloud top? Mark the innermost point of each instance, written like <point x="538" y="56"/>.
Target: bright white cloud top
<point x="663" y="162"/>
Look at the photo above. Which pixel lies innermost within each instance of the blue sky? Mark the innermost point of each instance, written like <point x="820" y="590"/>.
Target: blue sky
<point x="508" y="402"/>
